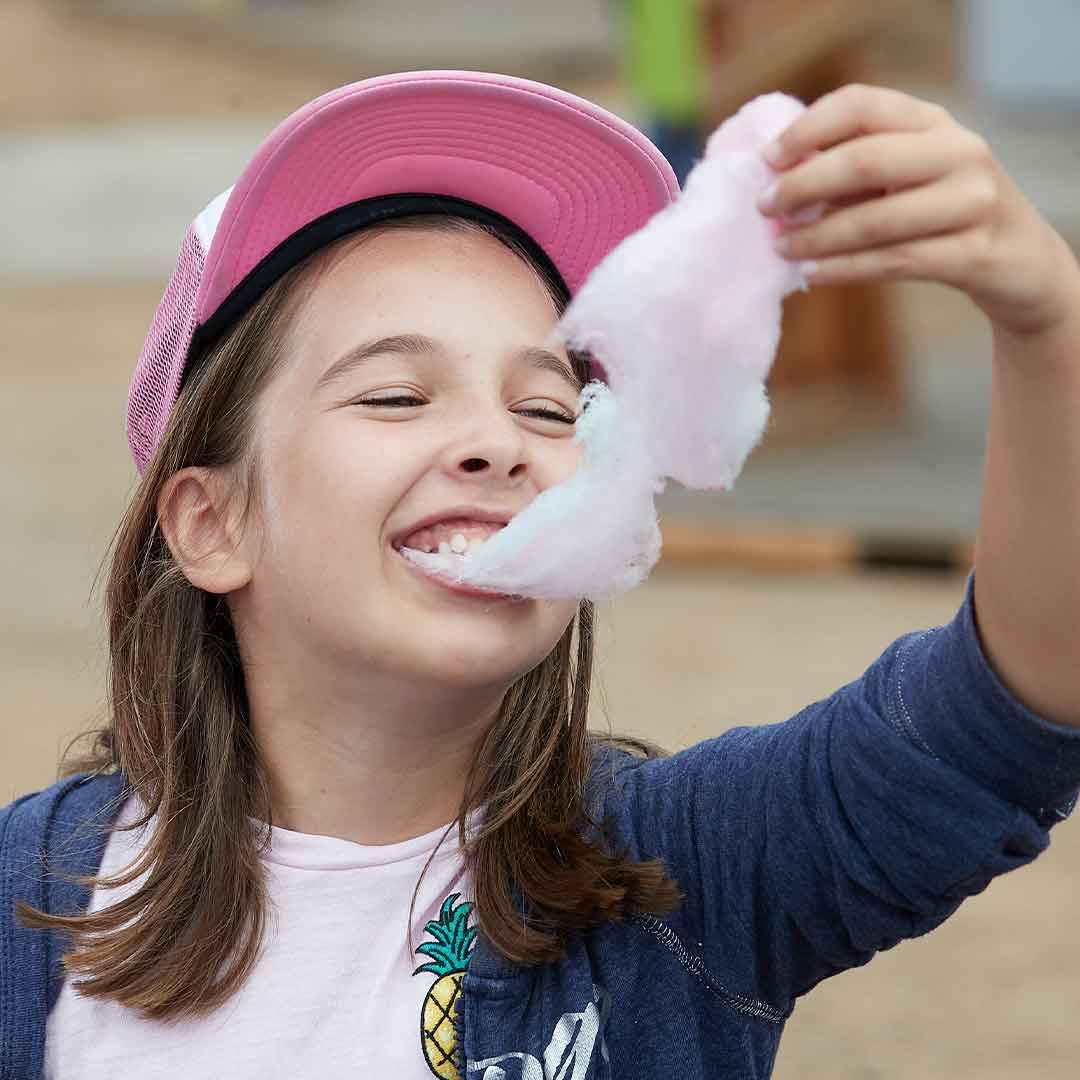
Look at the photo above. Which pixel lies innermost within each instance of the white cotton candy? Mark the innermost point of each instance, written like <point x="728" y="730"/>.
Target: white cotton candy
<point x="684" y="317"/>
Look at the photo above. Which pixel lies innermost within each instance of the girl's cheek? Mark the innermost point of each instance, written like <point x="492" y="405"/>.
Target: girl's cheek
<point x="567" y="460"/>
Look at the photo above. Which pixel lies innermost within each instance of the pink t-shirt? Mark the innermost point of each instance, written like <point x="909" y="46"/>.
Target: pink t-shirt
<point x="335" y="991"/>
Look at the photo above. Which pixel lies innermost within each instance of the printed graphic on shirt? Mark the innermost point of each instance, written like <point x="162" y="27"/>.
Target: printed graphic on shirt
<point x="567" y="1055"/>
<point x="449" y="952"/>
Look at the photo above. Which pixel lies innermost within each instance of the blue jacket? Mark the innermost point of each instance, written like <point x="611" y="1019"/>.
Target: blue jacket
<point x="803" y="847"/>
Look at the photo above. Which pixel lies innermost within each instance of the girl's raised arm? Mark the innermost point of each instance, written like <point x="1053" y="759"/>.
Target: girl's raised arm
<point x="806" y="846"/>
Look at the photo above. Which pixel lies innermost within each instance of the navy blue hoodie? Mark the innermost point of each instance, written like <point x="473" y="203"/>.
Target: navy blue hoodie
<point x="804" y="847"/>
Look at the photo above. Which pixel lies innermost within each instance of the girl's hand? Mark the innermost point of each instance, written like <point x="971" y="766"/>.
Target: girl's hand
<point x="915" y="196"/>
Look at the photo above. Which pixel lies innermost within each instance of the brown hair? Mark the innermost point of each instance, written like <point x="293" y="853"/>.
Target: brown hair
<point x="177" y="728"/>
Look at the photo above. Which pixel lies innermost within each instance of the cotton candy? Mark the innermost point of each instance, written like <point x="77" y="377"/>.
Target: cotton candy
<point x="684" y="318"/>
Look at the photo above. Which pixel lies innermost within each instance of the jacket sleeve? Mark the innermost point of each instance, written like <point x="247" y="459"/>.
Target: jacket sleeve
<point x="806" y="846"/>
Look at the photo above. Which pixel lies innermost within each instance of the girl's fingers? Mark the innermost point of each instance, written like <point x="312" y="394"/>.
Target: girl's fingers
<point x="853" y="110"/>
<point x="872" y="163"/>
<point x="956" y="201"/>
<point x="946" y="258"/>
<point x="856" y="200"/>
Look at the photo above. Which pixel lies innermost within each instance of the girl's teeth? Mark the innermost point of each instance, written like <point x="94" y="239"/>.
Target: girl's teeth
<point x="459" y="542"/>
<point x="457" y="545"/>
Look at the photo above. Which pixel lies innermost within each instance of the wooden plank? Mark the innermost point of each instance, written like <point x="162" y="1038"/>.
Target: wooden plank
<point x="689" y="543"/>
<point x="697" y="543"/>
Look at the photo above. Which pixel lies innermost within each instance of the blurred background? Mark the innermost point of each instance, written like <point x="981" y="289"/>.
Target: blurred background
<point x="850" y="525"/>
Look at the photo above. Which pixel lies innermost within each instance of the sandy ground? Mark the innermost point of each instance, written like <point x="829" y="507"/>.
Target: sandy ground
<point x="991" y="995"/>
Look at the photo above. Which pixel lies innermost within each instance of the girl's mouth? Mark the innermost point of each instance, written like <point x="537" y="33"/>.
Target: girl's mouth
<point x="461" y="590"/>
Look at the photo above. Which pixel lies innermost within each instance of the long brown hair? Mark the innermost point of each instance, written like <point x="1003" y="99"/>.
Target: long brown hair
<point x="177" y="728"/>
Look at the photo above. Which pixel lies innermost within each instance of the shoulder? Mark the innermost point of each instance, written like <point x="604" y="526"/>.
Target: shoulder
<point x="611" y="755"/>
<point x="621" y="765"/>
<point x="46" y="820"/>
<point x="64" y="826"/>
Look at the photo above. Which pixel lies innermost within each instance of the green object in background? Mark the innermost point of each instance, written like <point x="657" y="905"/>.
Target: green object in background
<point x="664" y="57"/>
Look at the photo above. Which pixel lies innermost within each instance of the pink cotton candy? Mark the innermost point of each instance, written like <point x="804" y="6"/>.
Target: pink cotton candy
<point x="684" y="316"/>
<point x="595" y="533"/>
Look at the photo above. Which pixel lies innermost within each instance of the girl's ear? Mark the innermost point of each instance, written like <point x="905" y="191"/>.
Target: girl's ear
<point x="194" y="514"/>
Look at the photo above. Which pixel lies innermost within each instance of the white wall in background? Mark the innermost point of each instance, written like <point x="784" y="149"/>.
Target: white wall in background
<point x="1024" y="52"/>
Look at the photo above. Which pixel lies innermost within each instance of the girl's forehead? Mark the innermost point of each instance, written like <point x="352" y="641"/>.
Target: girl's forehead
<point x="441" y="293"/>
<point x="442" y="297"/>
<point x="395" y="264"/>
<point x="414" y="249"/>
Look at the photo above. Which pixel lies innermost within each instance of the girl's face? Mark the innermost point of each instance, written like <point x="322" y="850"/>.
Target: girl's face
<point x="344" y="477"/>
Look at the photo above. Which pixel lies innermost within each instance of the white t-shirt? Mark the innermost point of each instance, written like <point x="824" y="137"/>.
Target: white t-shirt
<point x="335" y="991"/>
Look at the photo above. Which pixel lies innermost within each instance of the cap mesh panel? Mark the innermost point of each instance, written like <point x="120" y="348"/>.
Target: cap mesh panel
<point x="157" y="375"/>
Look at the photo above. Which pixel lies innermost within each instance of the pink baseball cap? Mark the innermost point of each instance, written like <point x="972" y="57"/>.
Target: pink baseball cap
<point x="568" y="179"/>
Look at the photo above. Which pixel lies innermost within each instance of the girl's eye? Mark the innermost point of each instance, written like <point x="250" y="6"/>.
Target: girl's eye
<point x="408" y="399"/>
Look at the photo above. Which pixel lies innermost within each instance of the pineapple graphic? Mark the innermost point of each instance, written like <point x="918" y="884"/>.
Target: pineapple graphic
<point x="450" y="958"/>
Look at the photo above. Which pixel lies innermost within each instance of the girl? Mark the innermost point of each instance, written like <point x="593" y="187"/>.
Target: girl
<point x="246" y="877"/>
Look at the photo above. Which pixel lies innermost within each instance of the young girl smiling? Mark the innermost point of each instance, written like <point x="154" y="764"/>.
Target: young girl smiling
<point x="251" y="864"/>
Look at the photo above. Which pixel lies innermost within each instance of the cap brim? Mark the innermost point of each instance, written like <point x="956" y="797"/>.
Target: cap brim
<point x="575" y="177"/>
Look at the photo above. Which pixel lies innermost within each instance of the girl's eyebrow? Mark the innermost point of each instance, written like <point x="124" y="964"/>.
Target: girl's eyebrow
<point x="419" y="345"/>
